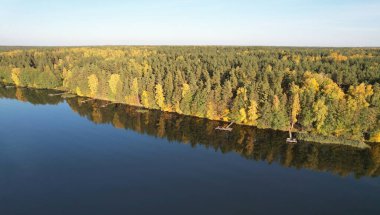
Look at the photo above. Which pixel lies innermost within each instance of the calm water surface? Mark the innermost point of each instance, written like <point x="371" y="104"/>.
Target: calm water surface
<point x="59" y="156"/>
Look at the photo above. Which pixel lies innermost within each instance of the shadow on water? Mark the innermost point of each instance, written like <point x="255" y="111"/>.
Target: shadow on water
<point x="250" y="143"/>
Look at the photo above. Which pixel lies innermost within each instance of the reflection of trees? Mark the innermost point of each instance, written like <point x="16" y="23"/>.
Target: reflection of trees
<point x="32" y="96"/>
<point x="250" y="143"/>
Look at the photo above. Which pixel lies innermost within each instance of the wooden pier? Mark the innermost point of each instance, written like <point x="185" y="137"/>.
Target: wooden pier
<point x="290" y="139"/>
<point x="105" y="105"/>
<point x="57" y="94"/>
<point x="227" y="128"/>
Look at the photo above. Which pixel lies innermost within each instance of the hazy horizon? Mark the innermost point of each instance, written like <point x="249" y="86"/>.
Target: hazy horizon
<point x="289" y="23"/>
<point x="184" y="45"/>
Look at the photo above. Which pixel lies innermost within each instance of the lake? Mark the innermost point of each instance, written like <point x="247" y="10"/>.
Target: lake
<point x="62" y="156"/>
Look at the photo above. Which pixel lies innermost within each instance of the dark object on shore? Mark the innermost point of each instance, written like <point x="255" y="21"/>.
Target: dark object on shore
<point x="227" y="128"/>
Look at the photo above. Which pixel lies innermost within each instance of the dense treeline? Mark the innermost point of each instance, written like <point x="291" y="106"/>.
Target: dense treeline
<point x="254" y="144"/>
<point x="325" y="91"/>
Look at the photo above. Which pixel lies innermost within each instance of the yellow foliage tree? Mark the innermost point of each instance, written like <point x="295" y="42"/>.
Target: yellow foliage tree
<point x="276" y="103"/>
<point x="252" y="113"/>
<point x="333" y="91"/>
<point x="160" y="99"/>
<point x="135" y="87"/>
<point x="360" y="94"/>
<point x="375" y="137"/>
<point x="312" y="84"/>
<point x="144" y="99"/>
<point x="338" y="57"/>
<point x="321" y="111"/>
<point x="113" y="83"/>
<point x="134" y="95"/>
<point x="241" y="91"/>
<point x="296" y="106"/>
<point x="225" y="115"/>
<point x="242" y="115"/>
<point x="210" y="113"/>
<point x="185" y="89"/>
<point x="67" y="75"/>
<point x="93" y="83"/>
<point x="78" y="91"/>
<point x="177" y="108"/>
<point x="15" y="75"/>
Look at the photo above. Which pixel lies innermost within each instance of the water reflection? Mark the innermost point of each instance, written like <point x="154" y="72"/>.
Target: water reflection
<point x="250" y="143"/>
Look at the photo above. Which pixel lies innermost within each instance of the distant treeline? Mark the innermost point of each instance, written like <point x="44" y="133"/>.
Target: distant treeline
<point x="323" y="91"/>
<point x="250" y="143"/>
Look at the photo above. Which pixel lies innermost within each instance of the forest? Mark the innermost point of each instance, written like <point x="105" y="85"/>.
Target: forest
<point x="323" y="91"/>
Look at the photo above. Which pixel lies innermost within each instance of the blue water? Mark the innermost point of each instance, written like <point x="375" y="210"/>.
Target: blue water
<point x="54" y="161"/>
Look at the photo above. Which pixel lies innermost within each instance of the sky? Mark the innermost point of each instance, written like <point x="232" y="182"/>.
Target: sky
<point x="190" y="22"/>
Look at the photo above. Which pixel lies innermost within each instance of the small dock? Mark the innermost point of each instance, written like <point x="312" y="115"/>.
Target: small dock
<point x="227" y="128"/>
<point x="56" y="94"/>
<point x="105" y="105"/>
<point x="291" y="139"/>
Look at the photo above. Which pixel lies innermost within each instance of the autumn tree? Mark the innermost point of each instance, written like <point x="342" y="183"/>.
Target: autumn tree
<point x="296" y="106"/>
<point x="113" y="83"/>
<point x="15" y="74"/>
<point x="320" y="112"/>
<point x="159" y="96"/>
<point x="238" y="110"/>
<point x="145" y="99"/>
<point x="93" y="83"/>
<point x="252" y="113"/>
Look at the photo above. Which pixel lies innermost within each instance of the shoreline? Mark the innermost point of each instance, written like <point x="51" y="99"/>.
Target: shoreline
<point x="300" y="135"/>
